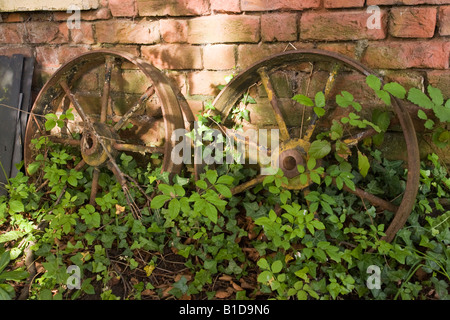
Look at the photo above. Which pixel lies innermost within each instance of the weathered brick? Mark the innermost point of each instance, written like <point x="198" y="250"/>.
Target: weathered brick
<point x="47" y="32"/>
<point x="266" y="5"/>
<point x="173" y="56"/>
<point x="444" y="21"/>
<point x="12" y="33"/>
<point x="279" y="27"/>
<point x="405" y="2"/>
<point x="407" y="78"/>
<point x="16" y="49"/>
<point x="224" y="29"/>
<point x="52" y="57"/>
<point x="347" y="49"/>
<point x="343" y="3"/>
<point x="173" y="30"/>
<point x="347" y="25"/>
<point x="196" y="107"/>
<point x="413" y="22"/>
<point x="126" y="31"/>
<point x="123" y="8"/>
<point x="219" y="57"/>
<point x="172" y="7"/>
<point x="99" y="14"/>
<point x="440" y="79"/>
<point x="249" y="54"/>
<point x="407" y="54"/>
<point x="225" y="6"/>
<point x="205" y="82"/>
<point x="84" y="35"/>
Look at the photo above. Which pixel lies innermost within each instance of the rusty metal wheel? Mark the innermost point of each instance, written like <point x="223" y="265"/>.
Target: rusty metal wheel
<point x="271" y="84"/>
<point x="120" y="103"/>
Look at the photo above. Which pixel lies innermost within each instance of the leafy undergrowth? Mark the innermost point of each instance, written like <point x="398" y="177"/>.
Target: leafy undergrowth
<point x="194" y="240"/>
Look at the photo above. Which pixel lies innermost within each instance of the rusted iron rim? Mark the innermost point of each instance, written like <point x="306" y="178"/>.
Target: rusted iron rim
<point x="230" y="95"/>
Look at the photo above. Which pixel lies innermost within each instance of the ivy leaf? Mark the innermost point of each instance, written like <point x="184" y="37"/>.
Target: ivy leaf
<point x="211" y="212"/>
<point x="174" y="208"/>
<point x="304" y="100"/>
<point x="363" y="164"/>
<point x="319" y="149"/>
<point x="419" y="98"/>
<point x="395" y="89"/>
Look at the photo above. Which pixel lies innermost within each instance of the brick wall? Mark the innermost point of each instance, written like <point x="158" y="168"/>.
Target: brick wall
<point x="200" y="42"/>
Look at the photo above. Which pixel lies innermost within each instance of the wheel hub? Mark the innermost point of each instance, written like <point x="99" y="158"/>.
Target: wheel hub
<point x="92" y="150"/>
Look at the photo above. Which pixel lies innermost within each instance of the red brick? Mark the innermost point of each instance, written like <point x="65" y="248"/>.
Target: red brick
<point x="444" y="21"/>
<point x="90" y="15"/>
<point x="347" y="25"/>
<point x="407" y="54"/>
<point x="173" y="56"/>
<point x="196" y="107"/>
<point x="47" y="32"/>
<point x="406" y="2"/>
<point x="52" y="57"/>
<point x="123" y="8"/>
<point x="413" y="22"/>
<point x="10" y="50"/>
<point x="440" y="79"/>
<point x="407" y="78"/>
<point x="266" y="5"/>
<point x="173" y="30"/>
<point x="249" y="54"/>
<point x="279" y="27"/>
<point x="172" y="7"/>
<point x="126" y="31"/>
<point x="224" y="29"/>
<point x="84" y="35"/>
<point x="343" y="3"/>
<point x="206" y="82"/>
<point x="12" y="33"/>
<point x="347" y="49"/>
<point x="225" y="6"/>
<point x="219" y="57"/>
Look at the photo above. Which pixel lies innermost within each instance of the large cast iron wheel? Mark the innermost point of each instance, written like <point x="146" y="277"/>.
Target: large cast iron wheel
<point x="108" y="91"/>
<point x="273" y="82"/>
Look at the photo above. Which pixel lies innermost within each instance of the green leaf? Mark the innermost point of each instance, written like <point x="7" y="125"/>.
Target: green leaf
<point x="33" y="167"/>
<point x="225" y="180"/>
<point x="264" y="277"/>
<point x="383" y="95"/>
<point x="201" y="184"/>
<point x="211" y="175"/>
<point x="320" y="99"/>
<point x="422" y="115"/>
<point x="304" y="100"/>
<point x="11" y="236"/>
<point x="16" y="206"/>
<point x="320" y="112"/>
<point x="277" y="266"/>
<point x="373" y="82"/>
<point x="5" y="258"/>
<point x="223" y="190"/>
<point x="211" y="212"/>
<point x="263" y="264"/>
<point x="15" y="275"/>
<point x="159" y="201"/>
<point x="419" y="98"/>
<point x="319" y="149"/>
<point x="395" y="89"/>
<point x="174" y="208"/>
<point x="382" y="119"/>
<point x="442" y="113"/>
<point x="436" y="95"/>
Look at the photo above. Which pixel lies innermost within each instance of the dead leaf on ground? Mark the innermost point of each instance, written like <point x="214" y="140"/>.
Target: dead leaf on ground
<point x="223" y="294"/>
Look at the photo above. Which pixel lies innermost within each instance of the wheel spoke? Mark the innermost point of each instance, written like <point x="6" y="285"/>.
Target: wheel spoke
<point x="106" y="89"/>
<point x="94" y="187"/>
<point x="246" y="185"/>
<point x="147" y="94"/>
<point x="376" y="201"/>
<point x="327" y="90"/>
<point x="267" y="83"/>
<point x="137" y="148"/>
<point x="74" y="101"/>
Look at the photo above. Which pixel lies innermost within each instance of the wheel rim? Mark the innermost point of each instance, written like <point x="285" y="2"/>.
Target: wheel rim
<point x="293" y="149"/>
